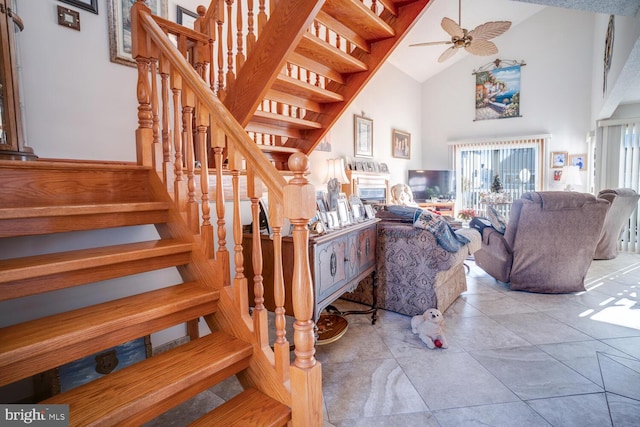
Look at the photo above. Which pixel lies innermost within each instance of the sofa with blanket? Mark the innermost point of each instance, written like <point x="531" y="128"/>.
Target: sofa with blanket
<point x="414" y="270"/>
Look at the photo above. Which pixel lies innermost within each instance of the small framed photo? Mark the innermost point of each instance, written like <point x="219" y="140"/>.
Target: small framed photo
<point x="69" y="18"/>
<point x="357" y="208"/>
<point x="579" y="160"/>
<point x="343" y="212"/>
<point x="368" y="209"/>
<point x="363" y="136"/>
<point x="557" y="175"/>
<point x="401" y="144"/>
<point x="333" y="221"/>
<point x="559" y="159"/>
<point x="384" y="168"/>
<point x="186" y="17"/>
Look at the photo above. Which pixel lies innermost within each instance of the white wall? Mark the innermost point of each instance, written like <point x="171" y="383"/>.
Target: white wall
<point x="555" y="96"/>
<point x="392" y="100"/>
<point x="78" y="104"/>
<point x="626" y="40"/>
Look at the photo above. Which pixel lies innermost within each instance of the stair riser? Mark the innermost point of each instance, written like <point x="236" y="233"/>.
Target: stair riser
<point x="36" y="285"/>
<point x="43" y="187"/>
<point x="50" y="225"/>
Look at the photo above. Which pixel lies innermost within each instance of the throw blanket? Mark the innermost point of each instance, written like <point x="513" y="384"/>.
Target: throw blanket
<point x="435" y="224"/>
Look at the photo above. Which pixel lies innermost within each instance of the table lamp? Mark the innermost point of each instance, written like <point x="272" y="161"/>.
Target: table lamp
<point x="570" y="178"/>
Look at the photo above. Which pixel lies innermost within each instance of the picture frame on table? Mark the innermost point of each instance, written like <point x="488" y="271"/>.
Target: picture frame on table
<point x="186" y="17"/>
<point x="579" y="160"/>
<point x="88" y="5"/>
<point x="559" y="159"/>
<point x="343" y="212"/>
<point x="357" y="208"/>
<point x="362" y="136"/>
<point x="368" y="209"/>
<point x="119" y="12"/>
<point x="400" y="144"/>
<point x="333" y="220"/>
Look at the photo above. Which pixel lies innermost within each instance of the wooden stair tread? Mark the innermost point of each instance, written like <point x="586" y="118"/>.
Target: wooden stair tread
<point x="278" y="149"/>
<point x="79" y="209"/>
<point x="41" y="344"/>
<point x="250" y="408"/>
<point x="334" y="58"/>
<point x="305" y="90"/>
<point x="25" y="276"/>
<point x="284" y="121"/>
<point x="357" y="16"/>
<point x="344" y="31"/>
<point x="148" y="387"/>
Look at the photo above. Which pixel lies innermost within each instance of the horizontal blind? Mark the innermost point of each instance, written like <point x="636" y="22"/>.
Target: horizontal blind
<point x="517" y="163"/>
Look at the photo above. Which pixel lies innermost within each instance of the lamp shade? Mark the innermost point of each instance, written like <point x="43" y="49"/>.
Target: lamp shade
<point x="570" y="177"/>
<point x="336" y="170"/>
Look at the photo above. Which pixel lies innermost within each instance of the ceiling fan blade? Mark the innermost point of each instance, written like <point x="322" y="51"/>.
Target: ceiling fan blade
<point x="490" y="30"/>
<point x="482" y="48"/>
<point x="430" y="43"/>
<point x="447" y="54"/>
<point x="451" y="27"/>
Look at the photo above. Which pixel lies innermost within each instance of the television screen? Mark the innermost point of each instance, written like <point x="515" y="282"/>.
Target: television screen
<point x="427" y="184"/>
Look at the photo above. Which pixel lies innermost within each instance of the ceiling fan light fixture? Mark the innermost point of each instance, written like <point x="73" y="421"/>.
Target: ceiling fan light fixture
<point x="475" y="41"/>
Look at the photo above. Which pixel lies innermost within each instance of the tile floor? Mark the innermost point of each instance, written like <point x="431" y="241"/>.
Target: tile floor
<point x="514" y="359"/>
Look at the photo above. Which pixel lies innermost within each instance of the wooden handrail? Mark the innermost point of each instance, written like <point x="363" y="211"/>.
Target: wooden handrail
<point x="269" y="175"/>
<point x="203" y="128"/>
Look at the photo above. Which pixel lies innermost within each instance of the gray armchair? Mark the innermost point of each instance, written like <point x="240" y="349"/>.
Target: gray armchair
<point x="548" y="244"/>
<point x="623" y="202"/>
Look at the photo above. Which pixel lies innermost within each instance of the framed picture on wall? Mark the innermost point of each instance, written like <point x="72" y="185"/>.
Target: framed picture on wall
<point x="363" y="136"/>
<point x="120" y="27"/>
<point x="579" y="160"/>
<point x="559" y="159"/>
<point x="400" y="144"/>
<point x="186" y="17"/>
<point x="90" y="5"/>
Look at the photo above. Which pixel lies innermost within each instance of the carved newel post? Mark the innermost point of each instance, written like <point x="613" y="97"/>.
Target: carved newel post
<point x="306" y="374"/>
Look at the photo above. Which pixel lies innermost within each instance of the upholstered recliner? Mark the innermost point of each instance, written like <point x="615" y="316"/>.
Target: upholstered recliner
<point x="548" y="244"/>
<point x="623" y="202"/>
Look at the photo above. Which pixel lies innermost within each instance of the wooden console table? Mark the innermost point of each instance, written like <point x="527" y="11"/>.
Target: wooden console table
<point x="339" y="260"/>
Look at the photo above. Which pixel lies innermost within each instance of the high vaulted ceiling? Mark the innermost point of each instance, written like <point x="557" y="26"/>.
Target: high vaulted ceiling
<point x="421" y="63"/>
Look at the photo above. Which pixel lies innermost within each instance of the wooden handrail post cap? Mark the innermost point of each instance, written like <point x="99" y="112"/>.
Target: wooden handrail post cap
<point x="299" y="195"/>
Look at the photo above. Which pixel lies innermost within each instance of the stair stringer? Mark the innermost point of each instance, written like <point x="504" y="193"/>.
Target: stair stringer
<point x="355" y="83"/>
<point x="261" y="372"/>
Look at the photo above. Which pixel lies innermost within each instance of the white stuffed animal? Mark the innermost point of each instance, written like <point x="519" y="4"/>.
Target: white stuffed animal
<point x="429" y="327"/>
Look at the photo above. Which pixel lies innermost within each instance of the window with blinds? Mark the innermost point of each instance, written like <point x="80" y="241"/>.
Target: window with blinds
<point x="517" y="163"/>
<point x="630" y="178"/>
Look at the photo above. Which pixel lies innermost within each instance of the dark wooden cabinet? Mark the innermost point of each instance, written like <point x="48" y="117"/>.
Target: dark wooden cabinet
<point x="339" y="260"/>
<point x="12" y="142"/>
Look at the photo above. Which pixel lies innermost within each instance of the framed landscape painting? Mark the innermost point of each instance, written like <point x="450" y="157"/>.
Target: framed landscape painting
<point x="498" y="93"/>
<point x="120" y="27"/>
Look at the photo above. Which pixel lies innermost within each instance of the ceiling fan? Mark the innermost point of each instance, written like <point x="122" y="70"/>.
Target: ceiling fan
<point x="475" y="41"/>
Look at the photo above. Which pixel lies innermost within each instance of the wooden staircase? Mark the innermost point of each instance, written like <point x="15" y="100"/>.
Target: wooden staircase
<point x="323" y="52"/>
<point x="246" y="118"/>
<point x="62" y="198"/>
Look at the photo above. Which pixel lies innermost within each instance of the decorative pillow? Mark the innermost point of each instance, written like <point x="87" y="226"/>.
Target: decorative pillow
<point x="497" y="220"/>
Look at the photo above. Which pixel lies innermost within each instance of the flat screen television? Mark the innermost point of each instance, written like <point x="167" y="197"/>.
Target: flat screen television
<point x="426" y="184"/>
